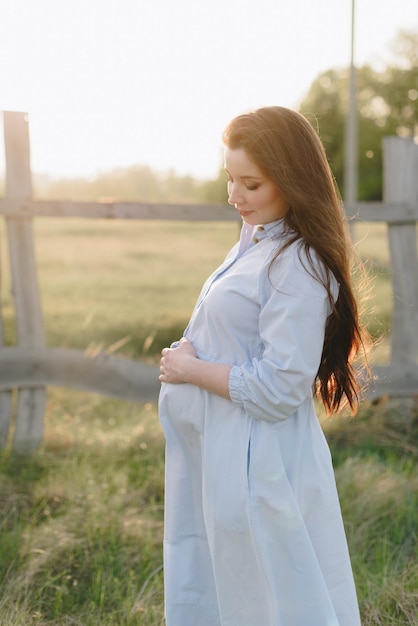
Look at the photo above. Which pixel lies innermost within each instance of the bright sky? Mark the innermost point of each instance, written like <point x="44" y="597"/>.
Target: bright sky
<point x="119" y="82"/>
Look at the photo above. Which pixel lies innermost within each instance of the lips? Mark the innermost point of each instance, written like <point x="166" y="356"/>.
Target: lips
<point x="244" y="213"/>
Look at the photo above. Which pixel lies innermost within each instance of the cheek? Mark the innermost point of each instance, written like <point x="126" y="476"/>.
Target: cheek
<point x="270" y="199"/>
<point x="260" y="198"/>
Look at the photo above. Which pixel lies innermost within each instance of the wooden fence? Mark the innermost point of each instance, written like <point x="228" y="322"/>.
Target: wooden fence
<point x="30" y="367"/>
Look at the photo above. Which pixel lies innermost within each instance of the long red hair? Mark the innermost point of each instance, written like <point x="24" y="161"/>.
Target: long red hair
<point x="287" y="149"/>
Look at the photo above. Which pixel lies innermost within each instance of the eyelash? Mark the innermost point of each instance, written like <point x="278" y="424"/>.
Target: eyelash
<point x="249" y="187"/>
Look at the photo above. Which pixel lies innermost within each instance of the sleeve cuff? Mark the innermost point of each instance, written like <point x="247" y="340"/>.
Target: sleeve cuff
<point x="235" y="383"/>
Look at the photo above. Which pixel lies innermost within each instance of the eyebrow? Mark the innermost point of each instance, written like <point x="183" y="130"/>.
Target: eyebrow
<point x="245" y="177"/>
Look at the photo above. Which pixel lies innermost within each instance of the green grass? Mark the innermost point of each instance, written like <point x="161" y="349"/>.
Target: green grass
<point x="375" y="457"/>
<point x="139" y="279"/>
<point x="82" y="518"/>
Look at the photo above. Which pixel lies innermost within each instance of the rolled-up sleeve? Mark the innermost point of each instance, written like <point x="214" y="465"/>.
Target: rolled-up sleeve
<point x="293" y="312"/>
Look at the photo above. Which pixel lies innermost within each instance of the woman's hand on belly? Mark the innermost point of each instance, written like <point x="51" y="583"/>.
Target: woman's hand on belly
<point x="181" y="365"/>
<point x="175" y="361"/>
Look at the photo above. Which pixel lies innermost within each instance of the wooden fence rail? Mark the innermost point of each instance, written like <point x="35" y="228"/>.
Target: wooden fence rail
<point x="30" y="367"/>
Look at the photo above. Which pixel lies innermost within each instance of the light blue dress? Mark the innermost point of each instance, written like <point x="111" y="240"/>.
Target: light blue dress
<point x="253" y="528"/>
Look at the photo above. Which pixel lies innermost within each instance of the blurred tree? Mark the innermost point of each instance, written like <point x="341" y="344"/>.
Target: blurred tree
<point x="215" y="191"/>
<point x="137" y="183"/>
<point x="399" y="87"/>
<point x="387" y="105"/>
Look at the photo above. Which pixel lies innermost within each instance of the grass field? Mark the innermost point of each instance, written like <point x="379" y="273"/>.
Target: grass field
<point x="82" y="519"/>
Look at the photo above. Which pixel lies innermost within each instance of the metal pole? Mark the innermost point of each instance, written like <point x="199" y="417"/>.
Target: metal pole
<point x="351" y="142"/>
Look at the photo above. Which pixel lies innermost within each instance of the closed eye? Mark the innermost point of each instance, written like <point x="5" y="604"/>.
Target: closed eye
<point x="251" y="186"/>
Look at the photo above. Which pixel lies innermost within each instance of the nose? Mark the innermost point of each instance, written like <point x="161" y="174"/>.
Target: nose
<point x="234" y="196"/>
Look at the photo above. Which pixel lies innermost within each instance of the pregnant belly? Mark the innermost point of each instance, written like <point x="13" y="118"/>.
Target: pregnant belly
<point x="182" y="404"/>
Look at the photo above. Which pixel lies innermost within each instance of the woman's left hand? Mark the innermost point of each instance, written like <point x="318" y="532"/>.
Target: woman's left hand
<point x="175" y="362"/>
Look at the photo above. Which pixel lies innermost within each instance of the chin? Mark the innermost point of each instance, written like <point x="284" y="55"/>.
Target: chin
<point x="250" y="219"/>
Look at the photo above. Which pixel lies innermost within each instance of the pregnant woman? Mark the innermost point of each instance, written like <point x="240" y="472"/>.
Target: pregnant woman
<point x="253" y="528"/>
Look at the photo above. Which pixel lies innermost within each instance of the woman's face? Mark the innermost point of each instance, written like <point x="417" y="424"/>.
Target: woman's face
<point x="256" y="197"/>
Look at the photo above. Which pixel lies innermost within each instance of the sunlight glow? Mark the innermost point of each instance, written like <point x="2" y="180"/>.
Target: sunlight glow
<point x="121" y="82"/>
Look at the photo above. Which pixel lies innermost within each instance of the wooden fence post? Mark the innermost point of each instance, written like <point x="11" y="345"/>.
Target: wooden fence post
<point x="5" y="396"/>
<point x="401" y="186"/>
<point x="29" y="325"/>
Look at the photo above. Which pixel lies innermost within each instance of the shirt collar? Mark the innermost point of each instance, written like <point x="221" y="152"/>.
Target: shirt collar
<point x="275" y="229"/>
<point x="251" y="235"/>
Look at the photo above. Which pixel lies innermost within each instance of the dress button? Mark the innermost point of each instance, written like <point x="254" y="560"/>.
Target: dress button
<point x="260" y="228"/>
<point x="255" y="239"/>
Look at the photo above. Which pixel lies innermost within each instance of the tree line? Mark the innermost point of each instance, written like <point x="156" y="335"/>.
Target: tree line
<point x="387" y="104"/>
<point x="138" y="183"/>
